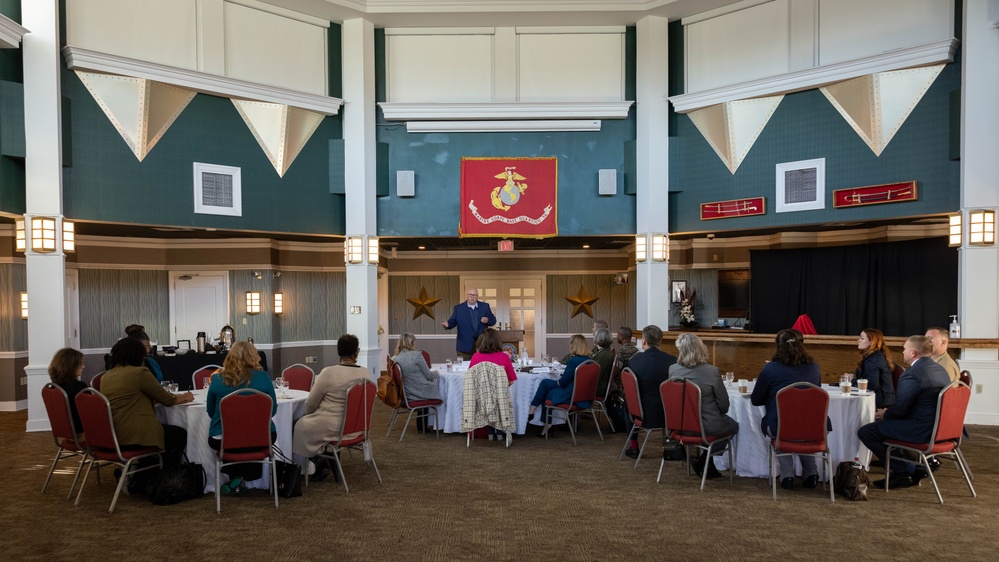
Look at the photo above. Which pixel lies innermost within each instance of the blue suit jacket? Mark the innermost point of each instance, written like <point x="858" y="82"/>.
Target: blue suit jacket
<point x="469" y="324"/>
<point x="912" y="415"/>
<point x="773" y="377"/>
<point x="651" y="368"/>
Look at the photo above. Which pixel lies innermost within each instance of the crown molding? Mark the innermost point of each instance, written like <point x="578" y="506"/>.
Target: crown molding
<point x="504" y="111"/>
<point x="540" y="125"/>
<point x="922" y="55"/>
<point x="11" y="33"/>
<point x="93" y="61"/>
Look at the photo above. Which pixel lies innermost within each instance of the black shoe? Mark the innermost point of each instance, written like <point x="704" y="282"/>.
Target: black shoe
<point x="896" y="482"/>
<point x="712" y="471"/>
<point x="934" y="464"/>
<point x="877" y="463"/>
<point x="811" y="481"/>
<point x="787" y="483"/>
<point x="631" y="453"/>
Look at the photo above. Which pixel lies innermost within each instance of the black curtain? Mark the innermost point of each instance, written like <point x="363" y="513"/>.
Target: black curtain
<point x="900" y="288"/>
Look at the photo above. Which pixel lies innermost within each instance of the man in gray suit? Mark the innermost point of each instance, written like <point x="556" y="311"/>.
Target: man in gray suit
<point x="912" y="416"/>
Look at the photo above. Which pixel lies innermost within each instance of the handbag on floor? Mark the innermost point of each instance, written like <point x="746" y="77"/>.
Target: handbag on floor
<point x="851" y="481"/>
<point x="178" y="483"/>
<point x="673" y="450"/>
<point x="289" y="476"/>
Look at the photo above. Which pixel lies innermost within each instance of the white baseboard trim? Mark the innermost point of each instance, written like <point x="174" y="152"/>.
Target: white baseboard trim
<point x="15" y="406"/>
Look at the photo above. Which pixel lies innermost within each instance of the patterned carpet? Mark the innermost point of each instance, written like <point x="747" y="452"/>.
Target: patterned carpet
<point x="537" y="500"/>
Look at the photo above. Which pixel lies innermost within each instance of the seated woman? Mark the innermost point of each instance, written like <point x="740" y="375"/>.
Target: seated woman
<point x="604" y="357"/>
<point x="137" y="332"/>
<point x="627" y="350"/>
<point x="560" y="391"/>
<point x="692" y="364"/>
<point x="241" y="370"/>
<point x="65" y="370"/>
<point x="789" y="364"/>
<point x="489" y="349"/>
<point x="875" y="365"/>
<point x="326" y="403"/>
<point x="131" y="389"/>
<point x="419" y="381"/>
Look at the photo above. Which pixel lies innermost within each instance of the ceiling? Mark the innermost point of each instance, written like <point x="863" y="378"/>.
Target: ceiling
<point x="498" y="13"/>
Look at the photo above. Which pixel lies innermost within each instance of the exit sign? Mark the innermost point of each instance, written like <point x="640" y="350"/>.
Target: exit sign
<point x="505" y="245"/>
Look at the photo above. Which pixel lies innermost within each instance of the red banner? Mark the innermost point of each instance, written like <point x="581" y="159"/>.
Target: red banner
<point x="512" y="197"/>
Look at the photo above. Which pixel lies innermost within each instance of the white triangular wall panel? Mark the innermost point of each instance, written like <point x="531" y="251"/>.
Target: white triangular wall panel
<point x="900" y="91"/>
<point x="280" y="130"/>
<point x="731" y="128"/>
<point x="141" y="110"/>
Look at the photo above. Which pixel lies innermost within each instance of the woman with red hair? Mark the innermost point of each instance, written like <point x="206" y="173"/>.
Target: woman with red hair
<point x="875" y="365"/>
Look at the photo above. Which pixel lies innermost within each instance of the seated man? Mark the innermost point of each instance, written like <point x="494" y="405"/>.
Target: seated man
<point x="911" y="417"/>
<point x="651" y="368"/>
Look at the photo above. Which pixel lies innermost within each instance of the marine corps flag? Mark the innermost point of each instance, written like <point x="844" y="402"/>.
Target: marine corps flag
<point x="513" y="197"/>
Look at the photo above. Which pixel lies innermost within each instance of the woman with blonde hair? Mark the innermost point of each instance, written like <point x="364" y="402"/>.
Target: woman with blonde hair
<point x="692" y="365"/>
<point x="560" y="391"/>
<point x="418" y="380"/>
<point x="241" y="370"/>
<point x="875" y="365"/>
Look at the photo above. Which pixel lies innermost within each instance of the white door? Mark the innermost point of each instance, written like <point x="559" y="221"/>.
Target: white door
<point x="518" y="302"/>
<point x="199" y="302"/>
<point x="73" y="308"/>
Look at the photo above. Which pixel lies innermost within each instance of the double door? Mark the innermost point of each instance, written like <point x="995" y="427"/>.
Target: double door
<point x="517" y="302"/>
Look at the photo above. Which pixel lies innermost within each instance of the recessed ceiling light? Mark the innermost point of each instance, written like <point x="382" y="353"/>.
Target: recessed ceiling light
<point x="586" y="246"/>
<point x="423" y="247"/>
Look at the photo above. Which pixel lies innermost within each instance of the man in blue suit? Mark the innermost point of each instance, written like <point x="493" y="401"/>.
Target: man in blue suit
<point x="472" y="318"/>
<point x="911" y="417"/>
<point x="651" y="368"/>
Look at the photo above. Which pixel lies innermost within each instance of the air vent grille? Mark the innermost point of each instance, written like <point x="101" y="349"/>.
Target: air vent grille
<point x="217" y="190"/>
<point x="801" y="185"/>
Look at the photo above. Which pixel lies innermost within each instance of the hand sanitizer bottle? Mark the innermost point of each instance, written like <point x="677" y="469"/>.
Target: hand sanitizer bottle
<point x="955" y="328"/>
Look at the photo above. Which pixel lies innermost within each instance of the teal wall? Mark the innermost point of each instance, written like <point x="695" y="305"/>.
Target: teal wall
<point x="436" y="160"/>
<point x="11" y="121"/>
<point x="111" y="299"/>
<point x="806" y="126"/>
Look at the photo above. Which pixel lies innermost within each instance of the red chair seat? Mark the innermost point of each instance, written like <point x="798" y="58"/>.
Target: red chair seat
<point x="572" y="408"/>
<point x="70" y="445"/>
<point x="422" y="403"/>
<point x="347" y="442"/>
<point x="246" y="455"/>
<point x="112" y="455"/>
<point x="939" y="447"/>
<point x="801" y="447"/>
<point x="697" y="439"/>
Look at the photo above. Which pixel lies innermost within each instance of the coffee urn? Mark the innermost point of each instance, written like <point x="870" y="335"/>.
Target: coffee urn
<point x="226" y="337"/>
<point x="201" y="342"/>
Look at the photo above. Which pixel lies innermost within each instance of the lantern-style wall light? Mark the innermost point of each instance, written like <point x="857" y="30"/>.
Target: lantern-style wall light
<point x="278" y="303"/>
<point x="253" y="302"/>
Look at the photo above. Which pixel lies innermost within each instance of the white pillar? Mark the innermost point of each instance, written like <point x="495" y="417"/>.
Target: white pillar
<point x="652" y="198"/>
<point x="46" y="273"/>
<point x="979" y="265"/>
<point x="359" y="173"/>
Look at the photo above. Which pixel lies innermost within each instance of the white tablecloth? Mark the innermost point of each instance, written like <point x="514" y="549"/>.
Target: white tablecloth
<point x="194" y="418"/>
<point x="846" y="412"/>
<point x="452" y="387"/>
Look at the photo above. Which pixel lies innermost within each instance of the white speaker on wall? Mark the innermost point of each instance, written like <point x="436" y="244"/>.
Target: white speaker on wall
<point x="607" y="182"/>
<point x="405" y="183"/>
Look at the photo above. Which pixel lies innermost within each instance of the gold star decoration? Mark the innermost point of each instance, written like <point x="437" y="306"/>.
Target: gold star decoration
<point x="582" y="303"/>
<point x="424" y="304"/>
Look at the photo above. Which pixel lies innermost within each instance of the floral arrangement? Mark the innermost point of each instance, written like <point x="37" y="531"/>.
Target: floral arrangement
<point x="687" y="301"/>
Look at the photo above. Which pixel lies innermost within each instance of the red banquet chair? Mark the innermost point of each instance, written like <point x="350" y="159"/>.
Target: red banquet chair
<point x="584" y="389"/>
<point x="354" y="431"/>
<point x="63" y="433"/>
<point x="299" y="377"/>
<point x="896" y="373"/>
<point x="95" y="383"/>
<point x="802" y="429"/>
<point x="945" y="441"/>
<point x="600" y="402"/>
<point x="246" y="436"/>
<point x="682" y="409"/>
<point x="199" y="377"/>
<point x="426" y="357"/>
<point x="420" y="407"/>
<point x="632" y="399"/>
<point x="95" y="414"/>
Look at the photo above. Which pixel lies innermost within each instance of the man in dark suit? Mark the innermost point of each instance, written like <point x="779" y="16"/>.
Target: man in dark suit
<point x="651" y="368"/>
<point x="472" y="318"/>
<point x="912" y="416"/>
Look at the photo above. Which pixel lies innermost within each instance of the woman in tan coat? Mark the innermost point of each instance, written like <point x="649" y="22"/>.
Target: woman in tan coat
<point x="327" y="400"/>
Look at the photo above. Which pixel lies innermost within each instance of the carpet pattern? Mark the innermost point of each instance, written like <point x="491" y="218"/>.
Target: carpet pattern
<point x="537" y="500"/>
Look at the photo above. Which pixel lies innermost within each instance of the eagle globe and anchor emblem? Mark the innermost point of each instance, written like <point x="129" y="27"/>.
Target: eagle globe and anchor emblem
<point x="505" y="196"/>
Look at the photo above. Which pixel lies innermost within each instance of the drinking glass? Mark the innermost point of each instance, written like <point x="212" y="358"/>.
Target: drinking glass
<point x="729" y="377"/>
<point x="174" y="387"/>
<point x="447" y="365"/>
<point x="281" y="384"/>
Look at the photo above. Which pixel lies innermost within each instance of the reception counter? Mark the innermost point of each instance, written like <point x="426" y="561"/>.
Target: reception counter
<point x="745" y="353"/>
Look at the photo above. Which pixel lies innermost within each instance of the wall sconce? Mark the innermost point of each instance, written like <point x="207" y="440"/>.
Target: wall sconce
<point x="982" y="228"/>
<point x="278" y="303"/>
<point x="68" y="236"/>
<point x="24" y="304"/>
<point x="641" y="248"/>
<point x="954" y="236"/>
<point x="660" y="247"/>
<point x="253" y="302"/>
<point x="353" y="249"/>
<point x="20" y="240"/>
<point x="43" y="234"/>
<point x="372" y="249"/>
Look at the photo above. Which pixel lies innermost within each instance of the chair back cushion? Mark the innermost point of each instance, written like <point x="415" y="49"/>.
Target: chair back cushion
<point x="246" y="419"/>
<point x="202" y="374"/>
<point x="801" y="413"/>
<point x="629" y="382"/>
<point x="399" y="381"/>
<point x="896" y="373"/>
<point x="357" y="412"/>
<point x="966" y="378"/>
<point x="682" y="407"/>
<point x="95" y="414"/>
<point x="952" y="405"/>
<point x="95" y="382"/>
<point x="60" y="417"/>
<point x="299" y="377"/>
<point x="615" y="374"/>
<point x="584" y="384"/>
<point x="426" y="357"/>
